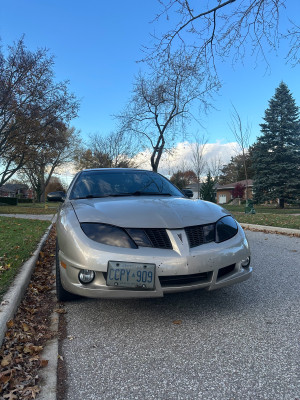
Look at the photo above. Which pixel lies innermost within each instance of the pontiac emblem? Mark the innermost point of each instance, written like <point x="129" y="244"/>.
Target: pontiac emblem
<point x="180" y="237"/>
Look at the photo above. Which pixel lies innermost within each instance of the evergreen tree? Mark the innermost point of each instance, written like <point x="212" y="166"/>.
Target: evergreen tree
<point x="276" y="155"/>
<point x="207" y="190"/>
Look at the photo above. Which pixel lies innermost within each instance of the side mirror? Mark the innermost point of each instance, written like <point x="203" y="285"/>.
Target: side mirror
<point x="188" y="193"/>
<point x="56" y="196"/>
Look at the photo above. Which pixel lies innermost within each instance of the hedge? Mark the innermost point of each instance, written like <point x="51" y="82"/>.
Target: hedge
<point x="12" y="201"/>
<point x="25" y="200"/>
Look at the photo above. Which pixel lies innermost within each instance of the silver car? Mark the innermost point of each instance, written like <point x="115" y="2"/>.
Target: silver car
<point x="125" y="233"/>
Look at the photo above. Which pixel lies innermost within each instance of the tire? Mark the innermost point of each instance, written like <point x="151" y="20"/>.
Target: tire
<point x="61" y="293"/>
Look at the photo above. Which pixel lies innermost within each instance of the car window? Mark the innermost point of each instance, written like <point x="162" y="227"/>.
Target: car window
<point x="113" y="183"/>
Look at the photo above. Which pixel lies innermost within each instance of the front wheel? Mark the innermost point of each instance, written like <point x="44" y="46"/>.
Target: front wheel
<point x="61" y="293"/>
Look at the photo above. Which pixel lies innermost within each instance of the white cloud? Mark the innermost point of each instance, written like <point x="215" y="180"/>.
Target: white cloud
<point x="180" y="157"/>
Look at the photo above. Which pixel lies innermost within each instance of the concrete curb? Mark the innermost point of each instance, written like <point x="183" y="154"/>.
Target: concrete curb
<point x="272" y="229"/>
<point x="48" y="374"/>
<point x="15" y="293"/>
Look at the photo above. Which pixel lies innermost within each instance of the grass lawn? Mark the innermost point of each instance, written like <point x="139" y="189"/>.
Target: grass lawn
<point x="268" y="219"/>
<point x="29" y="208"/>
<point x="265" y="215"/>
<point x="18" y="240"/>
<point x="264" y="209"/>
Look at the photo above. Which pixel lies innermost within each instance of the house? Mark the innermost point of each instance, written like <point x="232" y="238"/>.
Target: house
<point x="194" y="188"/>
<point x="225" y="192"/>
<point x="16" y="190"/>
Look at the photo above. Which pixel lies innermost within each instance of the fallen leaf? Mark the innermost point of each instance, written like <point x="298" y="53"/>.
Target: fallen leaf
<point x="6" y="360"/>
<point x="10" y="395"/>
<point x="10" y="323"/>
<point x="27" y="350"/>
<point x="33" y="391"/>
<point x="25" y="327"/>
<point x="60" y="311"/>
<point x="37" y="349"/>
<point x="177" y="322"/>
<point x="44" y="363"/>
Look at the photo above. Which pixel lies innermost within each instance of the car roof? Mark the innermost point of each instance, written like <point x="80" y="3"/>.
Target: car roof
<point x="115" y="169"/>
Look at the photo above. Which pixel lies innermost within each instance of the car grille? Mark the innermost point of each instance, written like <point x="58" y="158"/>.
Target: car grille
<point x="159" y="238"/>
<point x="184" y="280"/>
<point x="195" y="235"/>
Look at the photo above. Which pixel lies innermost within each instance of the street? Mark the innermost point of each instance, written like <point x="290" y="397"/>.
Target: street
<point x="240" y="342"/>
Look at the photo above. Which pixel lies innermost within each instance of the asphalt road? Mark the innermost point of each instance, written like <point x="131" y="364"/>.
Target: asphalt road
<point x="237" y="343"/>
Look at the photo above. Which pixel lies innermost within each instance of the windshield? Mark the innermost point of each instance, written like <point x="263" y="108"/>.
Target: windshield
<point x="106" y="183"/>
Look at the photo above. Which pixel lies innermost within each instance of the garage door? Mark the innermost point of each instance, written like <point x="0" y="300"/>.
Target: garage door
<point x="222" y="198"/>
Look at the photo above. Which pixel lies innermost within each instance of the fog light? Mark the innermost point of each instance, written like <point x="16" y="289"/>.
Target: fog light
<point x="245" y="263"/>
<point x="86" y="276"/>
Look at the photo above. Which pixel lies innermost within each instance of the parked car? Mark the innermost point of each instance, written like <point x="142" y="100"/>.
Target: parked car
<point x="131" y="233"/>
<point x="188" y="192"/>
<point x="56" y="196"/>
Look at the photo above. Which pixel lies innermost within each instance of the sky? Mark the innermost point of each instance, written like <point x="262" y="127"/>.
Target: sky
<point x="97" y="44"/>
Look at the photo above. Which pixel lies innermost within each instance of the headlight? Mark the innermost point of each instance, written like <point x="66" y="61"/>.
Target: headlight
<point x="108" y="234"/>
<point x="226" y="228"/>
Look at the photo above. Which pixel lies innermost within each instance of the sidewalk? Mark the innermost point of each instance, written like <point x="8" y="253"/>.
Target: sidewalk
<point x="49" y="217"/>
<point x="272" y="229"/>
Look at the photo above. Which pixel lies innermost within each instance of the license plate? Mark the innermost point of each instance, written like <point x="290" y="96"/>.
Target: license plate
<point x="130" y="275"/>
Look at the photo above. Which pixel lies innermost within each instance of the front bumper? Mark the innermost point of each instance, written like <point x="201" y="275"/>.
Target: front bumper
<point x="209" y="266"/>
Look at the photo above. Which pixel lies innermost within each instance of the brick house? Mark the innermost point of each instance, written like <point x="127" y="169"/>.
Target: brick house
<point x="225" y="192"/>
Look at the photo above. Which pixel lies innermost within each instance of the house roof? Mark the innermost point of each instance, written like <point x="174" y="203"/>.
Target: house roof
<point x="4" y="189"/>
<point x="193" y="186"/>
<point x="13" y="187"/>
<point x="233" y="185"/>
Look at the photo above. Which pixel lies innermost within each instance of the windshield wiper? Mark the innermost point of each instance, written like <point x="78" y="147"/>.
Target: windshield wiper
<point x="137" y="193"/>
<point x="140" y="193"/>
<point x="90" y="196"/>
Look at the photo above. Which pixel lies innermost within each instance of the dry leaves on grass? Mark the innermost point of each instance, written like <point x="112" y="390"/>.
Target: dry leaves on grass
<point x="28" y="332"/>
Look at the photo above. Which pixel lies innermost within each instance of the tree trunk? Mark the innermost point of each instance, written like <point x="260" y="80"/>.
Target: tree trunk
<point x="281" y="202"/>
<point x="157" y="153"/>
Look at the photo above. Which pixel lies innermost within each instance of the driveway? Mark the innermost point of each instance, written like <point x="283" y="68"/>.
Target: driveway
<point x="237" y="343"/>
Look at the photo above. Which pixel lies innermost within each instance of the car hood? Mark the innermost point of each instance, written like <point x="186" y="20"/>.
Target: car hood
<point x="148" y="212"/>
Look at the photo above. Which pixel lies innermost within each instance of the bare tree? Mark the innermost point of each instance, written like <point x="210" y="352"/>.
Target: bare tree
<point x="197" y="160"/>
<point x="116" y="150"/>
<point x="227" y="27"/>
<point x="214" y="167"/>
<point x="242" y="135"/>
<point x="61" y="149"/>
<point x="119" y="146"/>
<point x="293" y="36"/>
<point x="161" y="103"/>
<point x="30" y="102"/>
